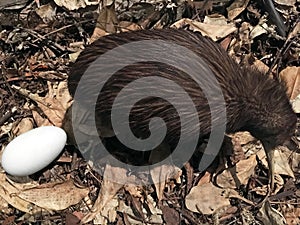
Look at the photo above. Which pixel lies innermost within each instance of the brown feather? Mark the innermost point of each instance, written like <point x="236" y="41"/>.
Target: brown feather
<point x="254" y="102"/>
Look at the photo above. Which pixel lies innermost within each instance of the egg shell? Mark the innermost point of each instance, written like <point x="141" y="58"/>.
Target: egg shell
<point x="33" y="150"/>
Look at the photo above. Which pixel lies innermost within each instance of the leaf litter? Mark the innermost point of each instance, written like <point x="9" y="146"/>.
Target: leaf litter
<point x="36" y="52"/>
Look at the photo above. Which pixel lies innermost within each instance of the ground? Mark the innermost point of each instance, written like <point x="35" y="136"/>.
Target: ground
<point x="39" y="41"/>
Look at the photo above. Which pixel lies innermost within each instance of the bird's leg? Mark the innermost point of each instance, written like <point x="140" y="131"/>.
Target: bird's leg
<point x="270" y="159"/>
<point x="269" y="149"/>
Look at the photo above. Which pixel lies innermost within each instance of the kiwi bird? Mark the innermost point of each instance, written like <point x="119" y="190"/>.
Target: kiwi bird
<point x="254" y="102"/>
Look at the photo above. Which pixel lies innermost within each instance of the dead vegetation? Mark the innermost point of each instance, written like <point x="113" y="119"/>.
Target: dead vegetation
<point x="39" y="40"/>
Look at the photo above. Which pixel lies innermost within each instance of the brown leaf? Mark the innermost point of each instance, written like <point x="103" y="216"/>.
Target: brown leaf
<point x="170" y="215"/>
<point x="23" y="126"/>
<point x="207" y="199"/>
<point x="75" y="4"/>
<point x="244" y="137"/>
<point x="9" y="220"/>
<point x="155" y="214"/>
<point x="107" y="19"/>
<point x="71" y="219"/>
<point x="129" y="26"/>
<point x="225" y="43"/>
<point x="134" y="190"/>
<point x="291" y="76"/>
<point x="236" y="8"/>
<point x="281" y="159"/>
<point x="98" y="33"/>
<point x="214" y="31"/>
<point x="189" y="176"/>
<point x="54" y="104"/>
<point x="54" y="196"/>
<point x="239" y="174"/>
<point x="46" y="12"/>
<point x="136" y="207"/>
<point x="205" y="179"/>
<point x="107" y="192"/>
<point x="296" y="162"/>
<point x="292" y="215"/>
<point x="10" y="194"/>
<point x="160" y="176"/>
<point x="269" y="215"/>
<point x="296" y="104"/>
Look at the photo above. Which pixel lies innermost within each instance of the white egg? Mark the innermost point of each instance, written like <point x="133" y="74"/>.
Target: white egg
<point x="33" y="150"/>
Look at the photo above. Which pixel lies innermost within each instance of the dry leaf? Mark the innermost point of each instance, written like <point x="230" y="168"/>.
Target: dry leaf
<point x="205" y="179"/>
<point x="71" y="219"/>
<point x="207" y="199"/>
<point x="73" y="56"/>
<point x="215" y="19"/>
<point x="126" y="210"/>
<point x="291" y="76"/>
<point x="239" y="174"/>
<point x="160" y="176"/>
<point x="9" y="5"/>
<point x="107" y="192"/>
<point x="225" y="43"/>
<point x="9" y="193"/>
<point x="106" y="23"/>
<point x="107" y="19"/>
<point x="54" y="196"/>
<point x="238" y="151"/>
<point x="286" y="2"/>
<point x="296" y="104"/>
<point x="39" y="120"/>
<point x="75" y="4"/>
<point x="129" y="26"/>
<point x="153" y="206"/>
<point x="62" y="95"/>
<point x="258" y="30"/>
<point x="296" y="162"/>
<point x="26" y="124"/>
<point x="236" y="8"/>
<point x="269" y="215"/>
<point x="46" y="12"/>
<point x="243" y="137"/>
<point x="292" y="215"/>
<point x="134" y="190"/>
<point x="3" y="205"/>
<point x="98" y="33"/>
<point x="6" y="128"/>
<point x="171" y="216"/>
<point x="109" y="213"/>
<point x="247" y="216"/>
<point x="261" y="66"/>
<point x="295" y="32"/>
<point x="281" y="159"/>
<point x="154" y="218"/>
<point x="54" y="104"/>
<point x="215" y="32"/>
